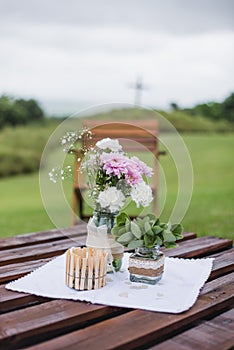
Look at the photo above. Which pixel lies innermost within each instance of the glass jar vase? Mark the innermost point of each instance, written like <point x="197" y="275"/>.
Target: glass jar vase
<point x="101" y="218"/>
<point x="146" y="265"/>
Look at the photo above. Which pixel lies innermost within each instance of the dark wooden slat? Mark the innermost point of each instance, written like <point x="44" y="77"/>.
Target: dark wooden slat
<point x="14" y="271"/>
<point x="223" y="264"/>
<point x="12" y="300"/>
<point x="128" y="331"/>
<point x="39" y="322"/>
<point x="187" y="236"/>
<point x="42" y="237"/>
<point x="214" y="334"/>
<point x="38" y="251"/>
<point x="199" y="247"/>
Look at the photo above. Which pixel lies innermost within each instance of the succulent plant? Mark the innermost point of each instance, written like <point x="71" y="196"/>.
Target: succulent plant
<point x="145" y="232"/>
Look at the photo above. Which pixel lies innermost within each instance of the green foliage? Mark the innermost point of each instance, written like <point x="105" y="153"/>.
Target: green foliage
<point x="214" y="110"/>
<point x="146" y="232"/>
<point x="228" y="108"/>
<point x="15" y="112"/>
<point x="21" y="148"/>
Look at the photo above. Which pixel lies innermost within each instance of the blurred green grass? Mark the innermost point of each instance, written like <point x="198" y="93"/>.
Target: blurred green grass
<point x="21" y="148"/>
<point x="210" y="211"/>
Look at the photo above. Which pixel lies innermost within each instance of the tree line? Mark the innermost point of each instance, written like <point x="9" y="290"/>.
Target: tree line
<point x="212" y="110"/>
<point x="15" y="112"/>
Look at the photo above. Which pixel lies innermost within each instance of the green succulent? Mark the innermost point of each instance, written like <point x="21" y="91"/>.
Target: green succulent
<point x="147" y="232"/>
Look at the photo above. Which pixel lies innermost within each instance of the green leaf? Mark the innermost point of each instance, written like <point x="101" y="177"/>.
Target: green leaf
<point x="122" y="230"/>
<point x="170" y="245"/>
<point x="149" y="241"/>
<point x="115" y="231"/>
<point x="150" y="232"/>
<point x="147" y="226"/>
<point x="140" y="223"/>
<point x="121" y="219"/>
<point x="159" y="241"/>
<point x="125" y="238"/>
<point x="135" y="230"/>
<point x="145" y="219"/>
<point x="135" y="244"/>
<point x="157" y="229"/>
<point x="127" y="225"/>
<point x="168" y="236"/>
<point x="177" y="230"/>
<point x="152" y="218"/>
<point x="157" y="222"/>
<point x="164" y="226"/>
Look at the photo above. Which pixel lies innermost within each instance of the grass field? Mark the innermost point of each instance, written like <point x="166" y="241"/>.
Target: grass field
<point x="210" y="211"/>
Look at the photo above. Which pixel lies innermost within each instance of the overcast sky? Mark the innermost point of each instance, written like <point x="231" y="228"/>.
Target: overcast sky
<point x="70" y="54"/>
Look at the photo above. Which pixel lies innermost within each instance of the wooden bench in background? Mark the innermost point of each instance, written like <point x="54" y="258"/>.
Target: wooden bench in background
<point x="138" y="137"/>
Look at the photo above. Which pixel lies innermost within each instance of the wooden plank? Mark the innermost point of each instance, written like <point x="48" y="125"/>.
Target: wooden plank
<point x="39" y="251"/>
<point x="14" y="271"/>
<point x="22" y="327"/>
<point x="127" y="331"/>
<point x="214" y="334"/>
<point x="199" y="247"/>
<point x="187" y="236"/>
<point x="12" y="300"/>
<point x="223" y="264"/>
<point x="43" y="237"/>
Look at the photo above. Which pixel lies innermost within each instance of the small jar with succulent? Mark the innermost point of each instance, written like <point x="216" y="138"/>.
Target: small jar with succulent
<point x="146" y="235"/>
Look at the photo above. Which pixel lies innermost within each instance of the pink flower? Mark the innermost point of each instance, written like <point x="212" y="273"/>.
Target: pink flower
<point x="115" y="164"/>
<point x="133" y="176"/>
<point x="142" y="167"/>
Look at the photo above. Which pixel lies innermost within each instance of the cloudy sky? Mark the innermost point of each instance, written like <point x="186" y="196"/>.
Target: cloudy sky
<point x="71" y="54"/>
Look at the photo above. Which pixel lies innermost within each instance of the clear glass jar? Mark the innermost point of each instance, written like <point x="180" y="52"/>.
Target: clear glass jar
<point x="146" y="265"/>
<point x="102" y="217"/>
<point x="117" y="250"/>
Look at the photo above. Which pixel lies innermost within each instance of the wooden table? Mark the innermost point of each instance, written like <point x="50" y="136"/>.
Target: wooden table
<point x="32" y="322"/>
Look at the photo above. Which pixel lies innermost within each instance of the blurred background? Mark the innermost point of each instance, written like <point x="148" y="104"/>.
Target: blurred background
<point x="60" y="57"/>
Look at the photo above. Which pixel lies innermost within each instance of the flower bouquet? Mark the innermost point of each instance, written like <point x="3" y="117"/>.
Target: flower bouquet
<point x="113" y="177"/>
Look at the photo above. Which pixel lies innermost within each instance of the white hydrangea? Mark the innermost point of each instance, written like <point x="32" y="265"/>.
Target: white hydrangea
<point x="111" y="199"/>
<point x="111" y="144"/>
<point x="141" y="194"/>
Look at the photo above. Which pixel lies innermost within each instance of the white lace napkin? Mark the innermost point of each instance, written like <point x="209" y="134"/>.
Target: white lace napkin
<point x="176" y="292"/>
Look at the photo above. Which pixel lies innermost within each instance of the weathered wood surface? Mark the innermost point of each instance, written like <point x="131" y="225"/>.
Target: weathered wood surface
<point x="132" y="329"/>
<point x="32" y="322"/>
<point x="43" y="237"/>
<point x="201" y="247"/>
<point x="215" y="334"/>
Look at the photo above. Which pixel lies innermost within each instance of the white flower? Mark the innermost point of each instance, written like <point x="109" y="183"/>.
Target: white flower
<point x="111" y="198"/>
<point x="141" y="194"/>
<point x="113" y="145"/>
